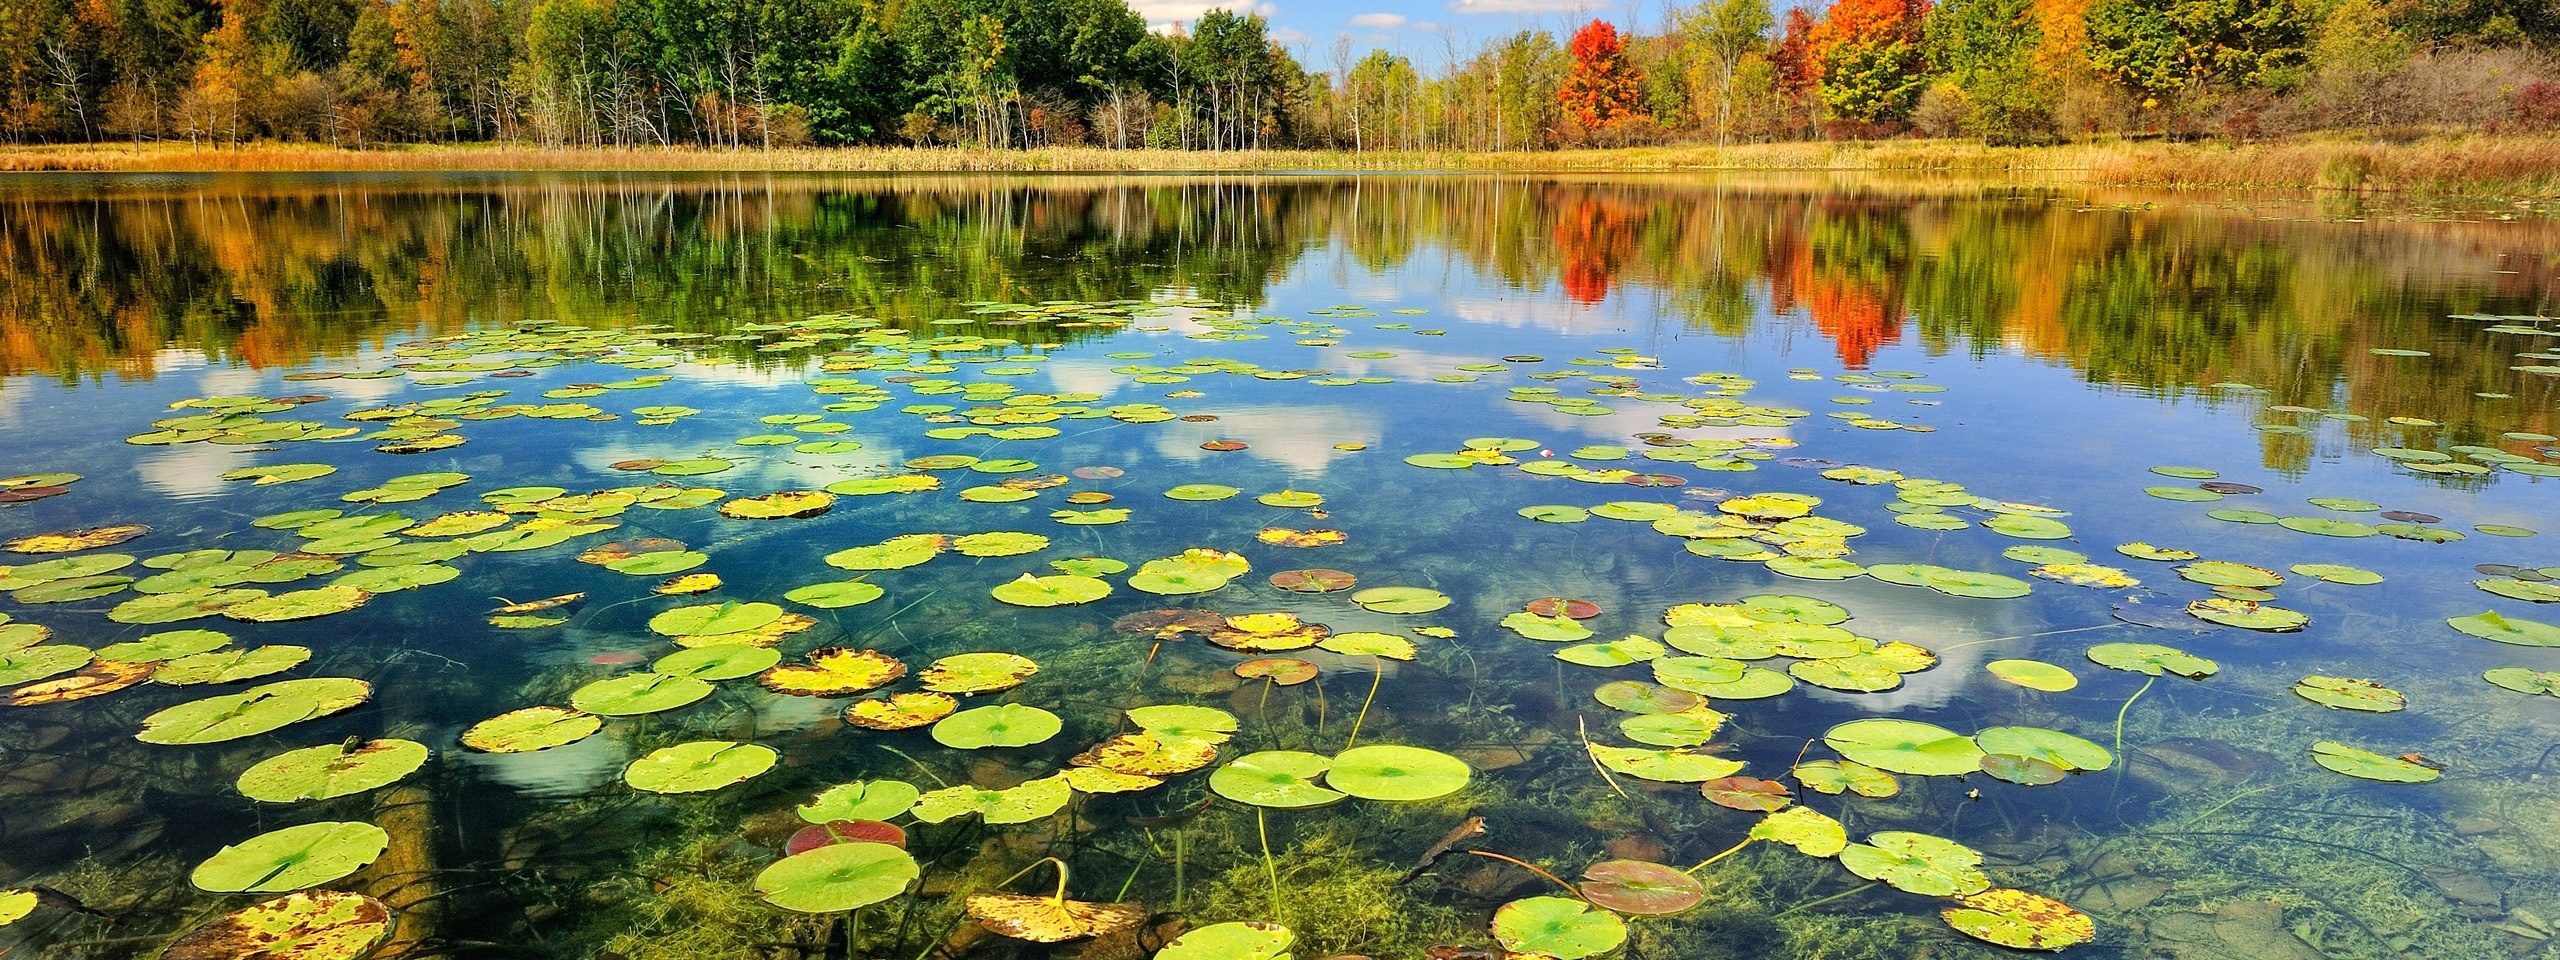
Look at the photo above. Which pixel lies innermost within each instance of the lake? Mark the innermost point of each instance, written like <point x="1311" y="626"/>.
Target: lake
<point x="638" y="566"/>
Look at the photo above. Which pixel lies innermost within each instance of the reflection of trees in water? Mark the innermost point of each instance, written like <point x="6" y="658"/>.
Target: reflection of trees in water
<point x="269" y="273"/>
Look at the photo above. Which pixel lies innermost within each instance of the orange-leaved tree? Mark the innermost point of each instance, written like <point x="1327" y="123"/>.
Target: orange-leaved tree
<point x="1604" y="90"/>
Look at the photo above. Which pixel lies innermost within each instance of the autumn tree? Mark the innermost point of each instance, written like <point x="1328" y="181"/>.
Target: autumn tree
<point x="1604" y="91"/>
<point x="1869" y="60"/>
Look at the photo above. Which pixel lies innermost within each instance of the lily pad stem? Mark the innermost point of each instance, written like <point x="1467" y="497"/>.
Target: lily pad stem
<point x="1728" y="851"/>
<point x="2120" y="712"/>
<point x="1377" y="675"/>
<point x="1262" y="827"/>
<point x="1532" y="868"/>
<point x="919" y="764"/>
<point x="1582" y="728"/>
<point x="1844" y="894"/>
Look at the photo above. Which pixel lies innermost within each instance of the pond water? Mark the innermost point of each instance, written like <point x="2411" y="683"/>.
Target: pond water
<point x="2122" y="555"/>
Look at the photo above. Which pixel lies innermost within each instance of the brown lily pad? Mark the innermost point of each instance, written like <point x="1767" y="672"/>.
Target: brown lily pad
<point x="1285" y="671"/>
<point x="1313" y="580"/>
<point x="1563" y="607"/>
<point x="1639" y="887"/>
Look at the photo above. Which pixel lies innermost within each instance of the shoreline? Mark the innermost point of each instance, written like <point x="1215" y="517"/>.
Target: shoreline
<point x="2471" y="165"/>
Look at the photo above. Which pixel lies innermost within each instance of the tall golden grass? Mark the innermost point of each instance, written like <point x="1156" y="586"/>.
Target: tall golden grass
<point x="2526" y="166"/>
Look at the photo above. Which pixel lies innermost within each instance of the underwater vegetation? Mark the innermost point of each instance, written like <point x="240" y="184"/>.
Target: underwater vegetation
<point x="1039" y="632"/>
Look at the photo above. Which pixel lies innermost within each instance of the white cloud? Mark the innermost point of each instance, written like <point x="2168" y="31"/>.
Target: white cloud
<point x="1427" y="26"/>
<point x="1288" y="36"/>
<point x="1164" y="14"/>
<point x="1520" y="6"/>
<point x="1379" y="21"/>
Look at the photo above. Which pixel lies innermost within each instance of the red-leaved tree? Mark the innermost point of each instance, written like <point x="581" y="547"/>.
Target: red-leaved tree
<point x="1604" y="90"/>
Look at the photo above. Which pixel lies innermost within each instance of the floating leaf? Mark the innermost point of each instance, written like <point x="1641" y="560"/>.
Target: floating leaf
<point x="2224" y="573"/>
<point x="1835" y="776"/>
<point x="1906" y="746"/>
<point x="36" y="663"/>
<point x="634" y="694"/>
<point x="835" y="594"/>
<point x="728" y="661"/>
<point x="2033" y="674"/>
<point x="2247" y="615"/>
<point x="1640" y="888"/>
<point x="860" y="800"/>
<point x="2153" y="659"/>
<point x="1047" y="920"/>
<point x="698" y="766"/>
<point x="2019" y="920"/>
<point x="834" y="672"/>
<point x="837" y="877"/>
<point x="2525" y="680"/>
<point x="1400" y="600"/>
<point x="968" y="673"/>
<point x="2504" y="629"/>
<point x="1231" y="941"/>
<point x="331" y="770"/>
<point x="901" y="711"/>
<point x="1615" y="653"/>
<point x="2055" y="747"/>
<point x="1747" y="793"/>
<point x="97" y="679"/>
<point x="292" y="858"/>
<point x="1202" y="492"/>
<point x="253" y="711"/>
<point x="76" y="540"/>
<point x="1561" y="928"/>
<point x="316" y="925"/>
<point x="2344" y="694"/>
<point x="2337" y="573"/>
<point x="2323" y="526"/>
<point x="1052" y="591"/>
<point x="1001" y="725"/>
<point x="2368" y="765"/>
<point x="712" y="619"/>
<point x="1669" y="765"/>
<point x="1917" y="863"/>
<point x="1804" y="828"/>
<point x="1021" y="803"/>
<point x="1397" y="773"/>
<point x="531" y="729"/>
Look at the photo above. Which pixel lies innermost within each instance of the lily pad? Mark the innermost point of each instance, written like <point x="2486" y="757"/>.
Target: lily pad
<point x="1278" y="779"/>
<point x="860" y="800"/>
<point x="713" y="619"/>
<point x="2033" y="674"/>
<point x="1001" y="725"/>
<point x="1837" y="776"/>
<point x="1808" y="830"/>
<point x="1906" y="746"/>
<point x="2345" y="694"/>
<point x="1397" y="773"/>
<point x="835" y="594"/>
<point x="837" y="877"/>
<point x="292" y="858"/>
<point x="2050" y="746"/>
<point x="2019" y="920"/>
<point x="2368" y="765"/>
<point x="531" y="729"/>
<point x="1560" y="928"/>
<point x="1052" y="591"/>
<point x="1021" y="803"/>
<point x="834" y="672"/>
<point x="969" y="673"/>
<point x="2247" y="615"/>
<point x="2505" y="629"/>
<point x="1400" y="600"/>
<point x="727" y="661"/>
<point x="331" y="770"/>
<point x="698" y="766"/>
<point x="1665" y="765"/>
<point x="2153" y="659"/>
<point x="1231" y="941"/>
<point x="631" y="695"/>
<point x="1917" y="863"/>
<point x="253" y="711"/>
<point x="2525" y="680"/>
<point x="231" y="666"/>
<point x="316" y="925"/>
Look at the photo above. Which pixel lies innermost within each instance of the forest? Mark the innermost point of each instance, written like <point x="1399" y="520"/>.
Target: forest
<point x="1043" y="73"/>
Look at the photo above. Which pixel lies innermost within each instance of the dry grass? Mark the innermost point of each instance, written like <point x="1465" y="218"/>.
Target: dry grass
<point x="2468" y="164"/>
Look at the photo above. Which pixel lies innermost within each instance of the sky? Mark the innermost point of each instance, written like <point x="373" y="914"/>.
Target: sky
<point x="1421" y="29"/>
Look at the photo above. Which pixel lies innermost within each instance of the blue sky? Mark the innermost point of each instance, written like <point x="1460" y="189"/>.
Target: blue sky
<point x="1421" y="29"/>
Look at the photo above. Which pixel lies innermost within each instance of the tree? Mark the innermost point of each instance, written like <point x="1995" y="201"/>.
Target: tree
<point x="1603" y="91"/>
<point x="1867" y="59"/>
<point x="1986" y="49"/>
<point x="2175" y="51"/>
<point x="1716" y="36"/>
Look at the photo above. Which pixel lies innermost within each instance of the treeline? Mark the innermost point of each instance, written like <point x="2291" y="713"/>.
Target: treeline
<point x="1035" y="73"/>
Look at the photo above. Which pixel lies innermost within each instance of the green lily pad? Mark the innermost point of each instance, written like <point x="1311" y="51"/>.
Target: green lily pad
<point x="1397" y="773"/>
<point x="1278" y="779"/>
<point x="2187" y="473"/>
<point x="722" y="661"/>
<point x="2505" y="629"/>
<point x="2153" y="659"/>
<point x="29" y="664"/>
<point x="2050" y="746"/>
<point x="713" y="619"/>
<point x="1906" y="746"/>
<point x="837" y="877"/>
<point x="230" y="666"/>
<point x="1400" y="600"/>
<point x="1808" y="830"/>
<point x="633" y="694"/>
<point x="293" y="858"/>
<point x="1917" y="863"/>
<point x="2027" y="527"/>
<point x="2224" y="573"/>
<point x="2337" y="573"/>
<point x="2033" y="674"/>
<point x="1051" y="591"/>
<point x="531" y="729"/>
<point x="1001" y="725"/>
<point x="331" y="770"/>
<point x="2346" y="694"/>
<point x="298" y="605"/>
<point x="256" y="710"/>
<point x="1202" y="492"/>
<point x="1979" y="586"/>
<point x="1231" y="941"/>
<point x="1787" y="608"/>
<point x="1688" y="729"/>
<point x="1835" y="776"/>
<point x="2526" y="590"/>
<point x="2524" y="680"/>
<point x="1556" y="629"/>
<point x="860" y="800"/>
<point x="2323" y="526"/>
<point x="320" y="925"/>
<point x="1665" y="765"/>
<point x="835" y="594"/>
<point x="698" y="766"/>
<point x="1021" y="803"/>
<point x="2368" y="765"/>
<point x="659" y="564"/>
<point x="1560" y="928"/>
<point x="1615" y="653"/>
<point x="2247" y="615"/>
<point x="1555" y="513"/>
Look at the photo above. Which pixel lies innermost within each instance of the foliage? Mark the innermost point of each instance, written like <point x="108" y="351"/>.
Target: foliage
<point x="1604" y="91"/>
